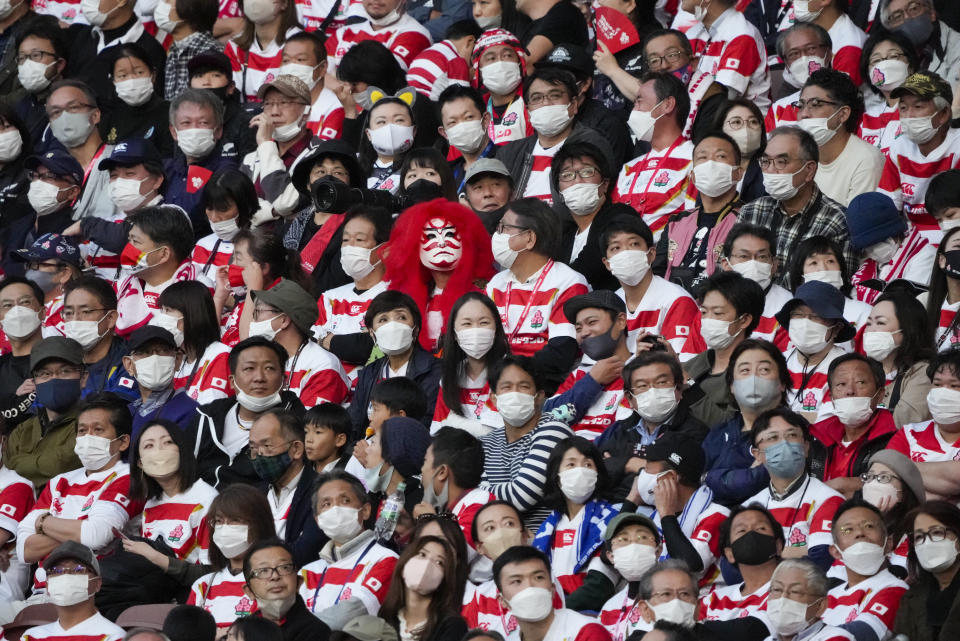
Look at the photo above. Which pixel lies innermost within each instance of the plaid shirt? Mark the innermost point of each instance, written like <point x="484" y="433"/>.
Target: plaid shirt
<point x="820" y="217"/>
<point x="177" y="77"/>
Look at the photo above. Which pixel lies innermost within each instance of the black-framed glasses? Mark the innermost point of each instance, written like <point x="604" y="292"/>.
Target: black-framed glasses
<point x="813" y="103"/>
<point x="570" y="175"/>
<point x="503" y="226"/>
<point x="935" y="534"/>
<point x="284" y="569"/>
<point x="36" y="55"/>
<point x="670" y="58"/>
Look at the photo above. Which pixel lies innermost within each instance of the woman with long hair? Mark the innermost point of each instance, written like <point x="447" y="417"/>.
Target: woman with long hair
<point x="894" y="486"/>
<point x="389" y="131"/>
<point x="230" y="201"/>
<point x="257" y="52"/>
<point x="428" y="165"/>
<point x="943" y="298"/>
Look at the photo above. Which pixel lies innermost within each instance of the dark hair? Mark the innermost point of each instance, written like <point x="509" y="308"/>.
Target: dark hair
<point x="882" y="35"/>
<point x="359" y="492"/>
<point x="679" y="35"/>
<point x="727" y="524"/>
<point x="256" y="341"/>
<point x="240" y="502"/>
<point x="553" y="496"/>
<point x="199" y="14"/>
<point x="96" y="287"/>
<point x="143" y="487"/>
<point x="553" y="76"/>
<point x="267" y="250"/>
<point x="446" y="599"/>
<point x="743" y="294"/>
<point x="115" y="406"/>
<point x="475" y="633"/>
<point x="166" y="225"/>
<point x="366" y="155"/>
<point x="652" y="357"/>
<point x="38" y="294"/>
<point x="461" y="452"/>
<point x="400" y="394"/>
<point x="719" y="134"/>
<point x="841" y="89"/>
<point x="201" y="328"/>
<point x="535" y="215"/>
<point x="852" y="504"/>
<point x="228" y="187"/>
<point x="370" y="62"/>
<point x="81" y="86"/>
<point x="131" y="50"/>
<point x="450" y="527"/>
<point x="809" y="151"/>
<point x="666" y="85"/>
<point x="256" y="546"/>
<point x="256" y="629"/>
<point x="456" y="92"/>
<point x="674" y="631"/>
<point x="245" y="40"/>
<point x="429" y="158"/>
<point x="44" y="27"/>
<point x="937" y="293"/>
<point x="379" y="217"/>
<point x="312" y="38"/>
<point x="518" y="554"/>
<point x="474" y="534"/>
<point x="945" y="512"/>
<point x="748" y="229"/>
<point x="462" y="29"/>
<point x="763" y="422"/>
<point x="576" y="151"/>
<point x="949" y="359"/>
<point x="817" y="245"/>
<point x="526" y="363"/>
<point x="724" y="111"/>
<point x="625" y="224"/>
<point x="390" y="300"/>
<point x="454" y="356"/>
<point x="189" y="623"/>
<point x="333" y="417"/>
<point x="943" y="192"/>
<point x="291" y="425"/>
<point x="876" y="369"/>
<point x="775" y="355"/>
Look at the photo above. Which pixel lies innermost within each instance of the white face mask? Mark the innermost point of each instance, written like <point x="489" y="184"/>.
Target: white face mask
<point x="780" y="186"/>
<point x="944" y="405"/>
<point x="831" y="277"/>
<point x="303" y="72"/>
<point x="386" y="20"/>
<point x="43" y="197"/>
<point x="502" y="253"/>
<point x="87" y="333"/>
<point x="355" y="261"/>
<point x="713" y="178"/>
<point x="884" y="251"/>
<point x="340" y="523"/>
<point x="160" y="463"/>
<point x="231" y="539"/>
<point x="257" y="404"/>
<point x="394" y="337"/>
<point x="275" y="609"/>
<point x="93" y="451"/>
<point x="582" y="198"/>
<point x="807" y="336"/>
<point x="874" y="492"/>
<point x="226" y="230"/>
<point x="629" y="266"/>
<point x="853" y="411"/>
<point x="468" y="136"/>
<point x="72" y="130"/>
<point x="757" y="271"/>
<point x="65" y="590"/>
<point x="516" y="408"/>
<point x="161" y="15"/>
<point x="864" y="558"/>
<point x="33" y="75"/>
<point x="195" y="143"/>
<point x="819" y="128"/>
<point x="802" y="67"/>
<point x="656" y="404"/>
<point x="578" y="483"/>
<point x="646" y="485"/>
<point x="641" y="123"/>
<point x="675" y="611"/>
<point x="550" y="120"/>
<point x="156" y="372"/>
<point x="289" y="131"/>
<point x="746" y="138"/>
<point x="259" y="11"/>
<point x="169" y="323"/>
<point x="947" y="225"/>
<point x="264" y="328"/>
<point x="919" y="129"/>
<point x="136" y="91"/>
<point x="476" y="341"/>
<point x="125" y="193"/>
<point x="20" y="322"/>
<point x="501" y="77"/>
<point x="391" y="139"/>
<point x="632" y="561"/>
<point x="802" y="13"/>
<point x="11" y="144"/>
<point x="91" y="11"/>
<point x="787" y="616"/>
<point x="887" y="75"/>
<point x="489" y="22"/>
<point x="716" y="333"/>
<point x="936" y="556"/>
<point x="532" y="604"/>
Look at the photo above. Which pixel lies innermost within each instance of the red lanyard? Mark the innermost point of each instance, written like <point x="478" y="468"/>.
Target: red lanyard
<point x="636" y="175"/>
<point x="526" y="309"/>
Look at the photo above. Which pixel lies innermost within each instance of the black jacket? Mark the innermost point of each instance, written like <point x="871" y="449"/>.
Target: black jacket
<point x="450" y="628"/>
<point x="300" y="624"/>
<point x="215" y="465"/>
<point x="589" y="262"/>
<point x="150" y="121"/>
<point x="302" y="533"/>
<point x="913" y="616"/>
<point x="611" y="126"/>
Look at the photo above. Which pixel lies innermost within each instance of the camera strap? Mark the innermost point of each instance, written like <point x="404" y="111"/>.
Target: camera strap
<point x="310" y="255"/>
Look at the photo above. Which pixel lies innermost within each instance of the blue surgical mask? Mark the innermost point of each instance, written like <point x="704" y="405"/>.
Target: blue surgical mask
<point x="785" y="460"/>
<point x="58" y="394"/>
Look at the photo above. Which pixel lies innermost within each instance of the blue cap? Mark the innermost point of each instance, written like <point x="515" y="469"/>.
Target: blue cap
<point x="873" y="218"/>
<point x="825" y="300"/>
<point x="62" y="248"/>
<point x="58" y="161"/>
<point x="130" y="152"/>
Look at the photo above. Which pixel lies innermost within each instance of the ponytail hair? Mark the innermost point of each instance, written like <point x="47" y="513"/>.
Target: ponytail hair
<point x="267" y="249"/>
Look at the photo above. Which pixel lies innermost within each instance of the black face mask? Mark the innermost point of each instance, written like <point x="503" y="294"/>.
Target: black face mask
<point x="601" y="346"/>
<point x="754" y="548"/>
<point x="422" y="190"/>
<point x="952" y="270"/>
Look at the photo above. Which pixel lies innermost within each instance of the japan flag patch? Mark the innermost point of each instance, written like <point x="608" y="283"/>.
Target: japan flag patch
<point x="732" y="63"/>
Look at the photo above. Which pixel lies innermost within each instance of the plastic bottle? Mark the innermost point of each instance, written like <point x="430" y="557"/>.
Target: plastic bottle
<point x="387" y="521"/>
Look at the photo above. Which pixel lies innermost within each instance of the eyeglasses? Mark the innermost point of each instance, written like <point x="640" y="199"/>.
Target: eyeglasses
<point x="794" y="594"/>
<point x="260" y="311"/>
<point x="571" y="174"/>
<point x="261" y="450"/>
<point x="742" y="257"/>
<point x="45" y="375"/>
<point x="670" y="595"/>
<point x="86" y="313"/>
<point x="283" y="104"/>
<point x="285" y="569"/>
<point x="669" y="57"/>
<point x="780" y="162"/>
<point x="936" y="533"/>
<point x="45" y="267"/>
<point x="792" y="436"/>
<point x="809" y="50"/>
<point x="912" y="10"/>
<point x="36" y="55"/>
<point x="813" y="103"/>
<point x="882" y="477"/>
<point x="867" y="527"/>
<point x="156" y="350"/>
<point x="45" y="176"/>
<point x="73" y="108"/>
<point x="503" y="226"/>
<point x="342" y="174"/>
<point x="736" y="123"/>
<point x="554" y="97"/>
<point x="23" y="301"/>
<point x="77" y="569"/>
<point x="893" y="55"/>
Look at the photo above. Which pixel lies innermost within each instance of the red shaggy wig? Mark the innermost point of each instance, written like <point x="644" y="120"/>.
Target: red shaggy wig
<point x="407" y="274"/>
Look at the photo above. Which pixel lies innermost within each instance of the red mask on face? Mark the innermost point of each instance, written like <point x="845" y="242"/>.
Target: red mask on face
<point x="440" y="245"/>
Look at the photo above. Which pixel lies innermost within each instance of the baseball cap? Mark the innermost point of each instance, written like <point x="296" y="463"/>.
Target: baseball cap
<point x="599" y="298"/>
<point x="573" y="58"/>
<point x="825" y="300"/>
<point x="210" y="61"/>
<point x="487" y="166"/>
<point x="925" y="85"/>
<point x="75" y="551"/>
<point x="684" y="453"/>
<point x="292" y="300"/>
<point x="147" y="333"/>
<point x="61" y="347"/>
<point x="290" y="86"/>
<point x="48" y="246"/>
<point x="59" y="162"/>
<point x="128" y="153"/>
